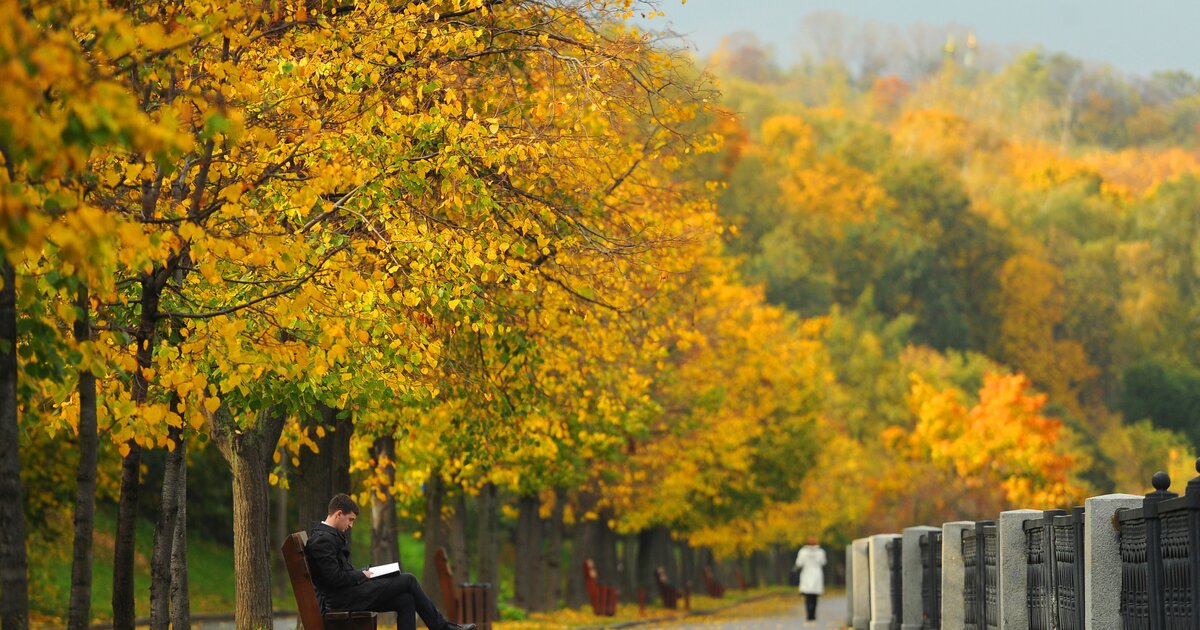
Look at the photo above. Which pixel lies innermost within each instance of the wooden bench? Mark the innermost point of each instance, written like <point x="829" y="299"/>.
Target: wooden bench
<point x="714" y="588"/>
<point x="465" y="602"/>
<point x="604" y="597"/>
<point x="670" y="595"/>
<point x="737" y="575"/>
<point x="306" y="595"/>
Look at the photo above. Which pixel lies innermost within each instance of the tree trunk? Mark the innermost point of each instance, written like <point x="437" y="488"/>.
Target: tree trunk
<point x="433" y="537"/>
<point x="249" y="452"/>
<point x="630" y="580"/>
<point x="326" y="472"/>
<point x="164" y="535"/>
<point x="489" y="548"/>
<point x="385" y="544"/>
<point x="552" y="556"/>
<point x="689" y="574"/>
<point x="456" y="538"/>
<point x="282" y="530"/>
<point x="654" y="550"/>
<point x="122" y="594"/>
<point x="528" y="586"/>
<point x="123" y="552"/>
<point x="584" y="545"/>
<point x="14" y="566"/>
<point x="181" y="603"/>
<point x="80" y="612"/>
<point x="608" y="562"/>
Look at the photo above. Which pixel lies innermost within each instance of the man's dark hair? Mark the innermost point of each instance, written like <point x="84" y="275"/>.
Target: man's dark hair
<point x="343" y="503"/>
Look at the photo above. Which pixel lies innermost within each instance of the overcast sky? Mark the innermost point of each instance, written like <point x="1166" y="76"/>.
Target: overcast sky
<point x="1135" y="36"/>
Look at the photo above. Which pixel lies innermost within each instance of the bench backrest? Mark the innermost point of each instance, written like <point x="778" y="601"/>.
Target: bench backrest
<point x="302" y="586"/>
<point x="446" y="580"/>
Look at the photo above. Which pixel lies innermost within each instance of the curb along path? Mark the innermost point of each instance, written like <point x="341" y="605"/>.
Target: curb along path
<point x="831" y="613"/>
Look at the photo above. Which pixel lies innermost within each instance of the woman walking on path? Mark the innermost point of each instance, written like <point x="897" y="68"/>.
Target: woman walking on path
<point x="811" y="563"/>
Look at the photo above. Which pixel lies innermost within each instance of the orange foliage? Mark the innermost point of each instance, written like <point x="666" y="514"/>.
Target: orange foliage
<point x="888" y="92"/>
<point x="1002" y="451"/>
<point x="1137" y="172"/>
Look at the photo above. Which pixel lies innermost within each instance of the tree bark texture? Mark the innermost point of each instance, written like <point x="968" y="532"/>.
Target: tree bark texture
<point x="385" y="543"/>
<point x="655" y="549"/>
<point x="432" y="534"/>
<point x="181" y="602"/>
<point x="583" y="546"/>
<point x="84" y="520"/>
<point x="456" y="537"/>
<point x="250" y="454"/>
<point x="529" y="579"/>
<point x="489" y="547"/>
<point x="164" y="535"/>
<point x="282" y="530"/>
<point x="327" y="472"/>
<point x="552" y="556"/>
<point x="14" y="565"/>
<point x="123" y="554"/>
<point x="630" y="580"/>
<point x="689" y="574"/>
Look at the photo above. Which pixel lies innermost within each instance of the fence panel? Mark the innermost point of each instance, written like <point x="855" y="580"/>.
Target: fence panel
<point x="931" y="582"/>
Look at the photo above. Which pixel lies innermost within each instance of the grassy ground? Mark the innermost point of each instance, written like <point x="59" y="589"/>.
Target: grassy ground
<point x="210" y="565"/>
<point x="736" y="604"/>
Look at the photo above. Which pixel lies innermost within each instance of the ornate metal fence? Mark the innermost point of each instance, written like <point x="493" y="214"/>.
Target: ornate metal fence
<point x="1141" y="560"/>
<point x="970" y="558"/>
<point x="896" y="569"/>
<point x="990" y="574"/>
<point x="981" y="584"/>
<point x="1160" y="570"/>
<point x="1066" y="540"/>
<point x="931" y="580"/>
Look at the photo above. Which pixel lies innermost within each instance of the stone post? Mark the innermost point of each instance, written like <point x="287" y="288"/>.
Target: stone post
<point x="862" y="584"/>
<point x="913" y="576"/>
<point x="953" y="615"/>
<point x="1102" y="559"/>
<point x="1010" y="532"/>
<point x="881" y="581"/>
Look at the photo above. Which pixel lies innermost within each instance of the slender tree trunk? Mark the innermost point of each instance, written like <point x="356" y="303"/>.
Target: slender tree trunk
<point x="528" y="585"/>
<point x="282" y="530"/>
<point x="689" y="575"/>
<point x="181" y="603"/>
<point x="123" y="553"/>
<point x="552" y="556"/>
<point x="80" y="612"/>
<point x="249" y="453"/>
<point x="164" y="535"/>
<point x="628" y="566"/>
<point x="14" y="566"/>
<point x="608" y="561"/>
<point x="385" y="545"/>
<point x="584" y="545"/>
<point x="489" y="569"/>
<point x="122" y="594"/>
<point x="326" y="472"/>
<point x="655" y="550"/>
<point x="456" y="538"/>
<point x="433" y="536"/>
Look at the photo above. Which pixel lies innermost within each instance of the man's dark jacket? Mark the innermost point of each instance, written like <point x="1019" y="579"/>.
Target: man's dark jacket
<point x="336" y="580"/>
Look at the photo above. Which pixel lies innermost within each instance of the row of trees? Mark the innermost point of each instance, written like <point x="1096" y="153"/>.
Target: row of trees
<point x="487" y="257"/>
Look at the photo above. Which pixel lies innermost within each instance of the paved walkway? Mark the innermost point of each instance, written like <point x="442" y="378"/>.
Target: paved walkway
<point x="831" y="615"/>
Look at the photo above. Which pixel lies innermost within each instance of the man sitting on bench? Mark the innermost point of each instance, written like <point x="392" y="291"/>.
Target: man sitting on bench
<point x="340" y="586"/>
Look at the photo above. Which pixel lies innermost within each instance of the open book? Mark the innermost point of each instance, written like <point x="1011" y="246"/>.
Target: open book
<point x="384" y="569"/>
